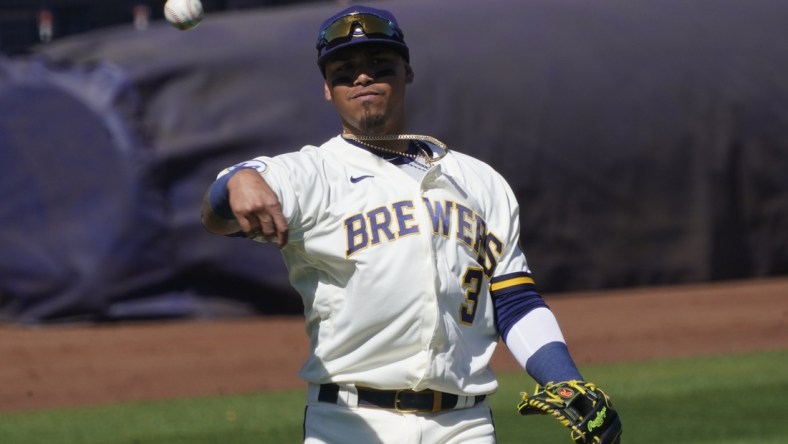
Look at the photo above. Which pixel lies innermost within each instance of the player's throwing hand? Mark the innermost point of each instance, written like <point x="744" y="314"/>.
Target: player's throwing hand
<point x="256" y="207"/>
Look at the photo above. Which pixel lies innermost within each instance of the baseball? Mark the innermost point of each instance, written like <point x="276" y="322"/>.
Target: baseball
<point x="183" y="14"/>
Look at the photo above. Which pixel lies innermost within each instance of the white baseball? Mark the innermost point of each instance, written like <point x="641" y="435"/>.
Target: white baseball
<point x="183" y="14"/>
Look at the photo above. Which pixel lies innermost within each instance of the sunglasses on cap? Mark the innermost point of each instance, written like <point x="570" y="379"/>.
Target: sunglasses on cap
<point x="369" y="23"/>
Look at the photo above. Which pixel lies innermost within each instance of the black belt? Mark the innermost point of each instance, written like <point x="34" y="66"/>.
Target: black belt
<point x="400" y="400"/>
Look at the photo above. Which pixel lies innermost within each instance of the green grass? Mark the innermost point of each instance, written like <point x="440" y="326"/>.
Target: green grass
<point x="737" y="399"/>
<point x="723" y="399"/>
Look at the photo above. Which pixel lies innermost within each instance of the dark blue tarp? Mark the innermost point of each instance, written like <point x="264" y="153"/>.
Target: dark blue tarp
<point x="647" y="142"/>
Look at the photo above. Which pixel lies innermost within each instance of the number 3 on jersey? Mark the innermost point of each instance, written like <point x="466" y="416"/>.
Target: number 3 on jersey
<point x="472" y="284"/>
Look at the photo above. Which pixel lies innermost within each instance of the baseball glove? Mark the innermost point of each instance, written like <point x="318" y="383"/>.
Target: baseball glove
<point x="579" y="406"/>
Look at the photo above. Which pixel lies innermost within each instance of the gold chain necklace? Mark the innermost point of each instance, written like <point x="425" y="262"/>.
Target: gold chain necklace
<point x="363" y="140"/>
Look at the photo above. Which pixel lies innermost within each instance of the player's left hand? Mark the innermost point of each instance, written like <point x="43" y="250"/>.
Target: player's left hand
<point x="256" y="207"/>
<point x="578" y="405"/>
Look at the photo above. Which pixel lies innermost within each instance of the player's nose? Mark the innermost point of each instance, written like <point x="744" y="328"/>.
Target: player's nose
<point x="364" y="77"/>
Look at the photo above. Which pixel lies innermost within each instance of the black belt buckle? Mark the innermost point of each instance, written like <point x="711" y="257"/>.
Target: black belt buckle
<point x="436" y="402"/>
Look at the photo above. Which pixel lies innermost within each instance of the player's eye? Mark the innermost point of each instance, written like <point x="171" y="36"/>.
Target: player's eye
<point x="384" y="72"/>
<point x="340" y="80"/>
<point x="343" y="68"/>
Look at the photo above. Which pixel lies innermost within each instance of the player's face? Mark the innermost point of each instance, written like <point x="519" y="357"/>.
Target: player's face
<point x="366" y="84"/>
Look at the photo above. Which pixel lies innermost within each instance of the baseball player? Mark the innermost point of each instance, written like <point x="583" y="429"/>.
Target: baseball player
<point x="404" y="251"/>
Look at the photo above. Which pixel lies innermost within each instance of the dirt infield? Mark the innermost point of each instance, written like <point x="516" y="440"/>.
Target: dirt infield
<point x="78" y="365"/>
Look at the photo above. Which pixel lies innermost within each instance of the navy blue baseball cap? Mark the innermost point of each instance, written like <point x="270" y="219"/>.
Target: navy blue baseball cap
<point x="359" y="25"/>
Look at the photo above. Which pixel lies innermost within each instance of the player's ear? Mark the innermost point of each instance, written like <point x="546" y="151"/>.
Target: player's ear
<point x="327" y="91"/>
<point x="408" y="74"/>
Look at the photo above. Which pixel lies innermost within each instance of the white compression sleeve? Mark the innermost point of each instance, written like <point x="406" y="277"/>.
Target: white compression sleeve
<point x="534" y="330"/>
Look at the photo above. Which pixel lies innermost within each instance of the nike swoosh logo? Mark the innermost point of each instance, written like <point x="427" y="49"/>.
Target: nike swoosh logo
<point x="359" y="178"/>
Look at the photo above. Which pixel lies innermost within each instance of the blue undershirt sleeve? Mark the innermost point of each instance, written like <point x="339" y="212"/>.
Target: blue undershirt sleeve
<point x="514" y="296"/>
<point x="552" y="363"/>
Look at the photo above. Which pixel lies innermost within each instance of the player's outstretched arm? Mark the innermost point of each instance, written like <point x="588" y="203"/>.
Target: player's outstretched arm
<point x="243" y="201"/>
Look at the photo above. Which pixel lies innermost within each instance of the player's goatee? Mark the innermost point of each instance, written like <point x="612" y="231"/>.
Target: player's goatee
<point x="372" y="123"/>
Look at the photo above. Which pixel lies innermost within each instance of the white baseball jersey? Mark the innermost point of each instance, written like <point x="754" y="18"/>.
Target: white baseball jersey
<point x="395" y="273"/>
